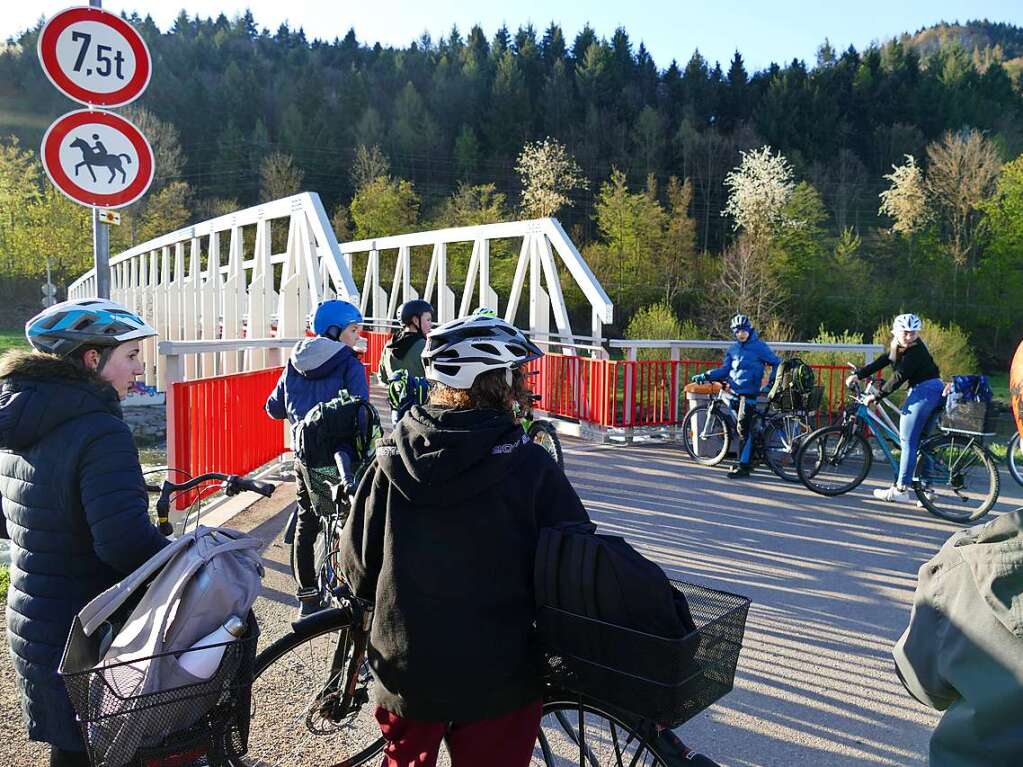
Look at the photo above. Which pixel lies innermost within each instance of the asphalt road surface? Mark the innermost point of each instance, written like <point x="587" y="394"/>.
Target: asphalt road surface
<point x="831" y="581"/>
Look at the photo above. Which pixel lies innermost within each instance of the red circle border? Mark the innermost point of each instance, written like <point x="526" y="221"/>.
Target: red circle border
<point x="50" y="154"/>
<point x="47" y="50"/>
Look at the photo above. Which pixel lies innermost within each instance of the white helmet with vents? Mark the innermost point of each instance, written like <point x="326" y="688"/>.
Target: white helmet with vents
<point x="907" y="322"/>
<point x="459" y="351"/>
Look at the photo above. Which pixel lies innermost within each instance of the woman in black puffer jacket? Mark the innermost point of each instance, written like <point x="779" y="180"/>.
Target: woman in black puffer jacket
<point x="73" y="495"/>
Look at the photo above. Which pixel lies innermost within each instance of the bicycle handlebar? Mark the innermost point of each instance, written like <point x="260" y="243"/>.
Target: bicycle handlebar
<point x="233" y="484"/>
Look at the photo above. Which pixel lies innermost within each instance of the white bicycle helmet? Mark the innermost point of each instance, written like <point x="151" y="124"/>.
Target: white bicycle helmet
<point x="907" y="322"/>
<point x="62" y="328"/>
<point x="459" y="351"/>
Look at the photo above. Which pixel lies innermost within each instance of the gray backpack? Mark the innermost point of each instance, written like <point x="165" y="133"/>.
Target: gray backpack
<point x="190" y="588"/>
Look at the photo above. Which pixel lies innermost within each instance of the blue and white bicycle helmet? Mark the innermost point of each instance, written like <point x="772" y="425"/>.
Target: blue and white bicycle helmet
<point x="484" y="311"/>
<point x="907" y="322"/>
<point x="335" y="314"/>
<point x="740" y="322"/>
<point x="63" y="328"/>
<point x="459" y="351"/>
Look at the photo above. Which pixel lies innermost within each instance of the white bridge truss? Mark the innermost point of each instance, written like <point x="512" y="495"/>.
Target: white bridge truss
<point x="188" y="289"/>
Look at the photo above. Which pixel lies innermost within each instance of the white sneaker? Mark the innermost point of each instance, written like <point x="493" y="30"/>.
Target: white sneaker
<point x="892" y="494"/>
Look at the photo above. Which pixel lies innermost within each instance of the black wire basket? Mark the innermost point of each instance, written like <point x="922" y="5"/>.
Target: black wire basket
<point x="971" y="417"/>
<point x="195" y="725"/>
<point x="667" y="680"/>
<point x="319" y="481"/>
<point x="968" y="417"/>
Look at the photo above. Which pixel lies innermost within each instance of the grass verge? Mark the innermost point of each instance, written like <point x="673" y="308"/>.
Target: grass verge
<point x="12" y="339"/>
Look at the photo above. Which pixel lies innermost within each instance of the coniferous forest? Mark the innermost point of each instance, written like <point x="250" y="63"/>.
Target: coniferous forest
<point x="821" y="197"/>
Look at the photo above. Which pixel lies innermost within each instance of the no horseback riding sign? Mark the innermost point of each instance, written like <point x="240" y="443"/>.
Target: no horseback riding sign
<point x="98" y="158"/>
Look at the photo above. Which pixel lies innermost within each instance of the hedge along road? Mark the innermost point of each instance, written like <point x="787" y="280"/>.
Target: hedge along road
<point x="831" y="580"/>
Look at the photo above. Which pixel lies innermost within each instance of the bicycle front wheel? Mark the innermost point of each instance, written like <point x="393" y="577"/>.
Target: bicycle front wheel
<point x="297" y="715"/>
<point x="833" y="460"/>
<point x="587" y="736"/>
<point x="955" y="478"/>
<point x="1014" y="459"/>
<point x="782" y="437"/>
<point x="545" y="435"/>
<point x="705" y="436"/>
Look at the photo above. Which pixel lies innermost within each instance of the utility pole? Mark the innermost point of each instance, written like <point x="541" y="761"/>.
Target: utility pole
<point x="100" y="235"/>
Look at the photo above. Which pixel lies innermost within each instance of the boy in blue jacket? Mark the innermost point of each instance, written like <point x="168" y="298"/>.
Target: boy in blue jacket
<point x="318" y="370"/>
<point x="743" y="370"/>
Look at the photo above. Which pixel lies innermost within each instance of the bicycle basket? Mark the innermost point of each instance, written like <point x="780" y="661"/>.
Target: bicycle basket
<point x="705" y="388"/>
<point x="664" y="679"/>
<point x="318" y="481"/>
<point x="146" y="730"/>
<point x="970" y="417"/>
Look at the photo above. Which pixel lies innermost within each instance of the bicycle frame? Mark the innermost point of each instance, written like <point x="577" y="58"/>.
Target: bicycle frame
<point x="722" y="406"/>
<point x="881" y="427"/>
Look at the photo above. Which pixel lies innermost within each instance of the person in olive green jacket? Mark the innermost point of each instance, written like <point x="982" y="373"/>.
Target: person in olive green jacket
<point x="963" y="650"/>
<point x="403" y="352"/>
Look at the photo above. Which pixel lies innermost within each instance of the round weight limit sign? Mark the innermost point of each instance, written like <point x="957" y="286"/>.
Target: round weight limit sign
<point x="94" y="57"/>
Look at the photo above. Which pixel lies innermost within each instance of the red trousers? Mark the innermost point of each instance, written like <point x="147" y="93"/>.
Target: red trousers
<point x="505" y="741"/>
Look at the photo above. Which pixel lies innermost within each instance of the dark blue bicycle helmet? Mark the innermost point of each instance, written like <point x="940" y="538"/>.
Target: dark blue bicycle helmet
<point x="417" y="307"/>
<point x="335" y="314"/>
<point x="741" y="322"/>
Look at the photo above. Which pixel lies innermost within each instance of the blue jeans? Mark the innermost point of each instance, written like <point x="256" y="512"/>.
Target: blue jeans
<point x="923" y="400"/>
<point x="744" y="406"/>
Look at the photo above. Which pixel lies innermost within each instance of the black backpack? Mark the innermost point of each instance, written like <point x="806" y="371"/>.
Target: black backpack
<point x="343" y="420"/>
<point x="795" y="381"/>
<point x="620" y="629"/>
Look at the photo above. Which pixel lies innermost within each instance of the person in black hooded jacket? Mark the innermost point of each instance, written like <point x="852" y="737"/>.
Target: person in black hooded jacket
<point x="405" y="350"/>
<point x="442" y="537"/>
<point x="73" y="494"/>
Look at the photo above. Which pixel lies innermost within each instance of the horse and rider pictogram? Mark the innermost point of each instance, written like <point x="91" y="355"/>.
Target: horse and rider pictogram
<point x="98" y="156"/>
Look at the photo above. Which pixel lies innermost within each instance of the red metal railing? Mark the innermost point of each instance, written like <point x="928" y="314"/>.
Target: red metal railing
<point x="375" y="342"/>
<point x="220" y="424"/>
<point x="650" y="386"/>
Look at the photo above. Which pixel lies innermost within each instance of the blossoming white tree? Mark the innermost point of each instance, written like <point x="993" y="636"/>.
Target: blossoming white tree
<point x="905" y="200"/>
<point x="549" y="174"/>
<point x="757" y="192"/>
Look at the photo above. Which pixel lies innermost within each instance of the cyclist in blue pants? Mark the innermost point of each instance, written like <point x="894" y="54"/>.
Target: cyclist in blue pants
<point x="743" y="369"/>
<point x="912" y="363"/>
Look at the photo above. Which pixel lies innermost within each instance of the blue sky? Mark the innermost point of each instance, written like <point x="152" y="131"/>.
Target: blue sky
<point x="762" y="31"/>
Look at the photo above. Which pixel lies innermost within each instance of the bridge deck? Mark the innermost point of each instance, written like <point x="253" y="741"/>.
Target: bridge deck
<point x="831" y="582"/>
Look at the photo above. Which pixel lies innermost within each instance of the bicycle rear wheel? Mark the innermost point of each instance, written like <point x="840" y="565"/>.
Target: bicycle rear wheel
<point x="955" y="478"/>
<point x="545" y="435"/>
<point x="782" y="437"/>
<point x="833" y="460"/>
<point x="705" y="436"/>
<point x="1014" y="459"/>
<point x="589" y="736"/>
<point x="295" y="713"/>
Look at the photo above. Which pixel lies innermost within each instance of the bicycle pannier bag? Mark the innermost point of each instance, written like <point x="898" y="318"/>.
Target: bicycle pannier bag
<point x="603" y="606"/>
<point x="190" y="588"/>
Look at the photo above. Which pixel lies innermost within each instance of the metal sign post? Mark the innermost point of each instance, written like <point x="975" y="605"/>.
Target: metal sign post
<point x="101" y="254"/>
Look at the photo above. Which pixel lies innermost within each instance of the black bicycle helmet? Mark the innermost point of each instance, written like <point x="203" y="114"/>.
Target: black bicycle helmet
<point x="414" y="308"/>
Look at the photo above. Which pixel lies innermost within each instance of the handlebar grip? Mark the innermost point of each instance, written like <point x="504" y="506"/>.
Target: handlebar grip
<point x="263" y="488"/>
<point x="166" y="528"/>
